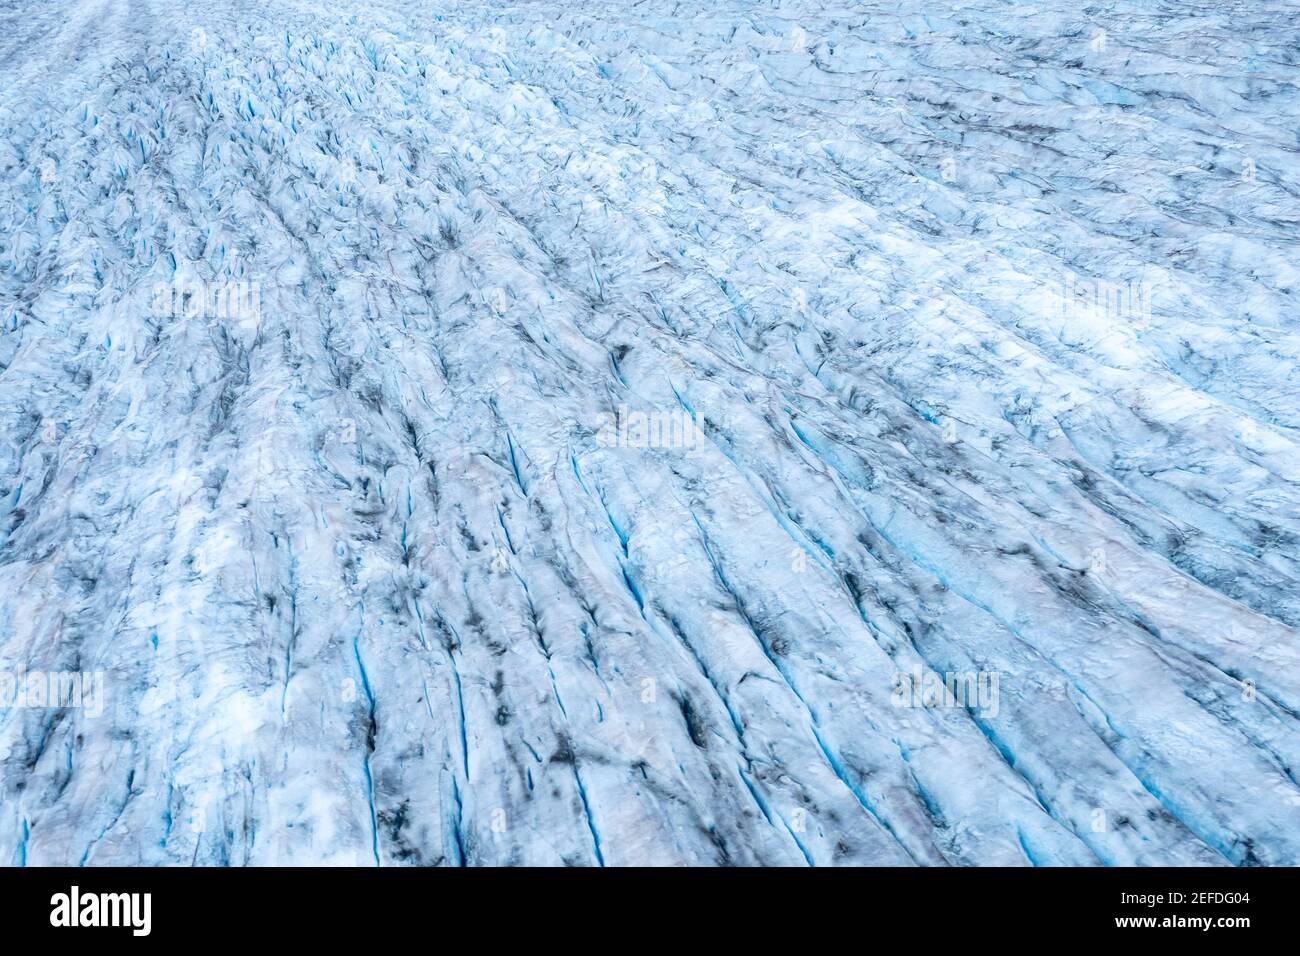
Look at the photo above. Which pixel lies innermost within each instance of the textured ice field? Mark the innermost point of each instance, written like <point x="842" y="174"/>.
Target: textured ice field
<point x="568" y="433"/>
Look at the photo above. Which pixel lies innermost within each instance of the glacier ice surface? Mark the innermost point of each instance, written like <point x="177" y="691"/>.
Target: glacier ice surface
<point x="649" y="433"/>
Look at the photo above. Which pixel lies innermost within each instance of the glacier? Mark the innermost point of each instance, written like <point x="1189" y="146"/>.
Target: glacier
<point x="655" y="433"/>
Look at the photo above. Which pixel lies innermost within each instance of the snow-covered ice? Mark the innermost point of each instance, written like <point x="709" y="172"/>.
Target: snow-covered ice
<point x="587" y="433"/>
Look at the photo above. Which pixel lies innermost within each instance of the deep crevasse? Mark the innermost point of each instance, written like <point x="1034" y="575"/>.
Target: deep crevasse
<point x="375" y="568"/>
